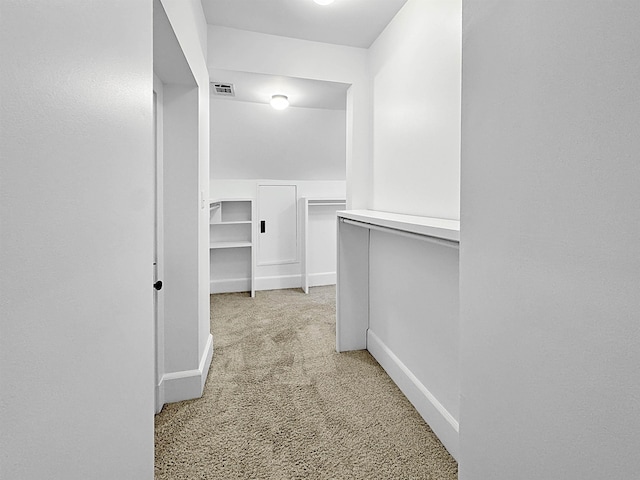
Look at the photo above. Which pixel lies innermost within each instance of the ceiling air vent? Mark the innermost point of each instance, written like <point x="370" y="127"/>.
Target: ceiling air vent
<point x="224" y="89"/>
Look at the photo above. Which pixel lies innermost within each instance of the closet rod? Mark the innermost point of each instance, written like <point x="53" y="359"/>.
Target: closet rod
<point x="402" y="233"/>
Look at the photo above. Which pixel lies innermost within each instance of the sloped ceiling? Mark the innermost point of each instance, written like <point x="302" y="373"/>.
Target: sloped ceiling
<point x="355" y="23"/>
<point x="258" y="88"/>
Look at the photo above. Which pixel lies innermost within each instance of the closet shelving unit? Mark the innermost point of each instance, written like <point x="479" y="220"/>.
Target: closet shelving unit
<point x="231" y="249"/>
<point x="309" y="204"/>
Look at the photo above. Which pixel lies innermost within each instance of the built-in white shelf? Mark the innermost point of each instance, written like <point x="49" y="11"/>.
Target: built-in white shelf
<point x="228" y="210"/>
<point x="441" y="228"/>
<point x="231" y="230"/>
<point x="308" y="205"/>
<point x="326" y="202"/>
<point x="240" y="222"/>
<point x="399" y="299"/>
<point x="215" y="245"/>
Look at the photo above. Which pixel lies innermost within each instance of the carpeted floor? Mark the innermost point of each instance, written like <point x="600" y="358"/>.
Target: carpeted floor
<point x="280" y="403"/>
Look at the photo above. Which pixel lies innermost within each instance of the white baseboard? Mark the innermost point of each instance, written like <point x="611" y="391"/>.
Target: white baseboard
<point x="443" y="424"/>
<point x="159" y="399"/>
<point x="321" y="279"/>
<point x="271" y="283"/>
<point x="187" y="384"/>
<point x="231" y="285"/>
<point x="205" y="362"/>
<point x="278" y="282"/>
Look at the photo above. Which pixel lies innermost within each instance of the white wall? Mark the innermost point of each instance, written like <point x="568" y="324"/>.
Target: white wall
<point x="181" y="208"/>
<point x="231" y="49"/>
<point x="76" y="336"/>
<point x="189" y="25"/>
<point x="550" y="257"/>
<point x="252" y="140"/>
<point x="248" y="188"/>
<point x="414" y="313"/>
<point x="415" y="70"/>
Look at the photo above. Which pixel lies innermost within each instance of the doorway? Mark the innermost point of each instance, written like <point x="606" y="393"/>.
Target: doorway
<point x="177" y="218"/>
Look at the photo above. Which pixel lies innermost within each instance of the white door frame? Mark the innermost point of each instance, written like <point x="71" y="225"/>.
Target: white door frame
<point x="158" y="243"/>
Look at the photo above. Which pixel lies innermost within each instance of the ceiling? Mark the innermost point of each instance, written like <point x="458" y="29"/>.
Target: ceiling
<point x="302" y="92"/>
<point x="355" y="23"/>
<point x="169" y="63"/>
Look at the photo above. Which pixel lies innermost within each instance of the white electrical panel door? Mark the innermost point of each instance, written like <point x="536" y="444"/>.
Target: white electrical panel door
<point x="277" y="224"/>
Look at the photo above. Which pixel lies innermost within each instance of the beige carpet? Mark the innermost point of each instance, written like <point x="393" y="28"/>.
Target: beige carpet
<point x="280" y="403"/>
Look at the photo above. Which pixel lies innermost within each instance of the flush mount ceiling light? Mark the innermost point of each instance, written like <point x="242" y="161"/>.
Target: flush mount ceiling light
<point x="323" y="2"/>
<point x="279" y="102"/>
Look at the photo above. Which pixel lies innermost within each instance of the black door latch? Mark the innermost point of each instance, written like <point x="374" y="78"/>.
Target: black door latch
<point x="263" y="226"/>
<point x="158" y="285"/>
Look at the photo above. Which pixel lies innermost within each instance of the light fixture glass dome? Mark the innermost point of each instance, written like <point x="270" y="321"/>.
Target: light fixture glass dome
<point x="279" y="102"/>
<point x="323" y="2"/>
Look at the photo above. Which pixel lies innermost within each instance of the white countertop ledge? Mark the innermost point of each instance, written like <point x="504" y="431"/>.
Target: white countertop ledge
<point x="443" y="228"/>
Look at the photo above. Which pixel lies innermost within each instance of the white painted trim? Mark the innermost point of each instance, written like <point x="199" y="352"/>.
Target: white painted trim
<point x="321" y="279"/>
<point x="188" y="384"/>
<point x="205" y="362"/>
<point x="443" y="228"/>
<point x="278" y="282"/>
<point x="402" y="233"/>
<point x="304" y="227"/>
<point x="159" y="235"/>
<point x="230" y="285"/>
<point x="271" y="283"/>
<point x="443" y="424"/>
<point x="159" y="398"/>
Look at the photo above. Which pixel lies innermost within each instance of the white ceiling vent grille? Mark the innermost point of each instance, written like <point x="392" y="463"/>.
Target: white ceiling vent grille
<point x="224" y="89"/>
